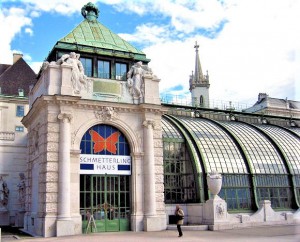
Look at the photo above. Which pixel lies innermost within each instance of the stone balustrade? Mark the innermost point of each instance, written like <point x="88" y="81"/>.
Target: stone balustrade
<point x="9" y="136"/>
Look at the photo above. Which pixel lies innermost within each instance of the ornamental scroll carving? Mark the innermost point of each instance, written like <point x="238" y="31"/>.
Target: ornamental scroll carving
<point x="65" y="117"/>
<point x="106" y="113"/>
<point x="149" y="124"/>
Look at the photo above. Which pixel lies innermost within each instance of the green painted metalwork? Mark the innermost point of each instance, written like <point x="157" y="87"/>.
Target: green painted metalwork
<point x="289" y="146"/>
<point x="217" y="151"/>
<point x="181" y="181"/>
<point x="107" y="199"/>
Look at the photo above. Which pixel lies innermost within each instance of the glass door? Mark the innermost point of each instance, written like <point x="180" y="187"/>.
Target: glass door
<point x="104" y="203"/>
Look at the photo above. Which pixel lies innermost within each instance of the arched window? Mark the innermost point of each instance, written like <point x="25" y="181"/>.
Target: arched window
<point x="201" y="101"/>
<point x="179" y="174"/>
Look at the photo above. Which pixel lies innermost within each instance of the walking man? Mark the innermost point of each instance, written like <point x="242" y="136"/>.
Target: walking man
<point x="180" y="216"/>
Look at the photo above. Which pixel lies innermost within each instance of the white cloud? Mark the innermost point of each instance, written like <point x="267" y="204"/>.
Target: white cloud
<point x="148" y="33"/>
<point x="65" y="7"/>
<point x="35" y="66"/>
<point x="29" y="31"/>
<point x="257" y="51"/>
<point x="12" y="21"/>
<point x="184" y="16"/>
<point x="15" y="19"/>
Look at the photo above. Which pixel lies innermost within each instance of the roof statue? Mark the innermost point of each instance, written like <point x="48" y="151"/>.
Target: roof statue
<point x="90" y="11"/>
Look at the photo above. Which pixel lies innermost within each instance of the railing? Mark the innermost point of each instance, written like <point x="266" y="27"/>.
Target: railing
<point x="9" y="136"/>
<point x="213" y="104"/>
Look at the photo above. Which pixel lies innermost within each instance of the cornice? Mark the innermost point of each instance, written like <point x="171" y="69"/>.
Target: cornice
<point x="95" y="105"/>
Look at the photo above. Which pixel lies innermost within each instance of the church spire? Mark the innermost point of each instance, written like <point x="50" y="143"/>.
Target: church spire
<point x="198" y="69"/>
<point x="199" y="83"/>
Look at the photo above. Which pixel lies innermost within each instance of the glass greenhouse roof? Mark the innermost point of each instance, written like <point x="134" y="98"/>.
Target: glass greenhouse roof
<point x="219" y="151"/>
<point x="295" y="130"/>
<point x="261" y="154"/>
<point x="169" y="130"/>
<point x="223" y="145"/>
<point x="288" y="143"/>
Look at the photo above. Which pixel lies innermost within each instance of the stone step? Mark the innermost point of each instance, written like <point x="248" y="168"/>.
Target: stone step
<point x="188" y="227"/>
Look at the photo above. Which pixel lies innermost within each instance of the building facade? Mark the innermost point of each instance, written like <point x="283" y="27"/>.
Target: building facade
<point x="94" y="140"/>
<point x="104" y="154"/>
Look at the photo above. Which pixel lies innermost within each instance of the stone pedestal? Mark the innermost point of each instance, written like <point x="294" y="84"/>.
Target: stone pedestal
<point x="215" y="211"/>
<point x="4" y="218"/>
<point x="154" y="223"/>
<point x="65" y="227"/>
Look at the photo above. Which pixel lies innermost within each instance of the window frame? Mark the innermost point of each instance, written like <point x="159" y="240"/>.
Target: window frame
<point x="123" y="76"/>
<point x="83" y="61"/>
<point x="20" y="113"/>
<point x="103" y="74"/>
<point x="19" y="128"/>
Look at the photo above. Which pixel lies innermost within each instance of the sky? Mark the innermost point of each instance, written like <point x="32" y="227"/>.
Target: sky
<point x="247" y="46"/>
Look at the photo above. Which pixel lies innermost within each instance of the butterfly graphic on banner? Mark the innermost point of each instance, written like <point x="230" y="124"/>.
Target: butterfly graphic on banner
<point x="109" y="144"/>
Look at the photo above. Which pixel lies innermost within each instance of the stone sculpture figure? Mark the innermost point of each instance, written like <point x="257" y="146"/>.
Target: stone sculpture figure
<point x="79" y="80"/>
<point x="135" y="79"/>
<point x="4" y="192"/>
<point x="22" y="190"/>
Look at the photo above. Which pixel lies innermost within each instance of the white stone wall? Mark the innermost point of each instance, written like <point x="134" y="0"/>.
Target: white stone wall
<point x="13" y="153"/>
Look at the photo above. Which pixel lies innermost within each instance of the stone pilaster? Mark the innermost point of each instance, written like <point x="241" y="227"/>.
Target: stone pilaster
<point x="64" y="225"/>
<point x="149" y="171"/>
<point x="137" y="191"/>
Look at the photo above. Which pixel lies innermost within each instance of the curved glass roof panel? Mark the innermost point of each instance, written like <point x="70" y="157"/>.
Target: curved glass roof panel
<point x="169" y="130"/>
<point x="262" y="155"/>
<point x="289" y="144"/>
<point x="295" y="130"/>
<point x="219" y="152"/>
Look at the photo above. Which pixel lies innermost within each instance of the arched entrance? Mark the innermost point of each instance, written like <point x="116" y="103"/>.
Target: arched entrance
<point x="105" y="169"/>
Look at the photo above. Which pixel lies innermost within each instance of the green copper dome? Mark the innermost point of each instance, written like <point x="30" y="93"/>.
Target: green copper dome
<point x="93" y="37"/>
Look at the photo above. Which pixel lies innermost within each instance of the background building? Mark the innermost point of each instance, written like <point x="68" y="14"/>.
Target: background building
<point x="15" y="80"/>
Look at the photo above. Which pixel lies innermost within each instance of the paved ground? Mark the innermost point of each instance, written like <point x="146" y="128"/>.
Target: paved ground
<point x="288" y="233"/>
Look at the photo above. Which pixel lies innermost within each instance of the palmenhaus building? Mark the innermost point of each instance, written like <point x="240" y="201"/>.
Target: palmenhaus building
<point x="104" y="152"/>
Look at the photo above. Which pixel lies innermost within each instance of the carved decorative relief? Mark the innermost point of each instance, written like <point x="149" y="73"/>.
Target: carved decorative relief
<point x="65" y="117"/>
<point x="149" y="123"/>
<point x="22" y="190"/>
<point x="220" y="210"/>
<point x="4" y="192"/>
<point x="35" y="140"/>
<point x="106" y="114"/>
